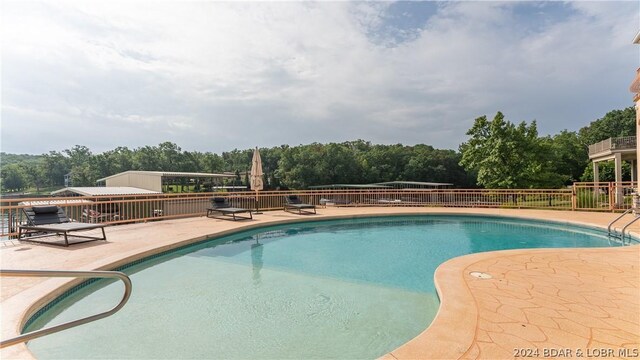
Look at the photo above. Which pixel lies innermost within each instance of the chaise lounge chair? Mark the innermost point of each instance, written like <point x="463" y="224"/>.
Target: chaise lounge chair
<point x="220" y="205"/>
<point x="292" y="202"/>
<point x="53" y="220"/>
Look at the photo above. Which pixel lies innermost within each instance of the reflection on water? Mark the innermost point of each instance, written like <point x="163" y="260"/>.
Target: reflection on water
<point x="256" y="261"/>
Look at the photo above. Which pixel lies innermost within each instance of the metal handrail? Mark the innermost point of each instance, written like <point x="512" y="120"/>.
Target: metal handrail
<point x="67" y="273"/>
<point x="626" y="226"/>
<point x="618" y="218"/>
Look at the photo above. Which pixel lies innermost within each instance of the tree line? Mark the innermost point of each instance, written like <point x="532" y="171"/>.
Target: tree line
<point x="498" y="154"/>
<point x="506" y="155"/>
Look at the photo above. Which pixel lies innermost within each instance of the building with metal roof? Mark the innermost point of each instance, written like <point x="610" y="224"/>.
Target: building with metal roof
<point x="349" y="186"/>
<point x="103" y="191"/>
<point x="386" y="185"/>
<point x="50" y="201"/>
<point x="414" y="184"/>
<point x="154" y="180"/>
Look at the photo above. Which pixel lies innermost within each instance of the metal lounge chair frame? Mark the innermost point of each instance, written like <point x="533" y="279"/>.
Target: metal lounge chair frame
<point x="292" y="202"/>
<point x="220" y="205"/>
<point x="53" y="220"/>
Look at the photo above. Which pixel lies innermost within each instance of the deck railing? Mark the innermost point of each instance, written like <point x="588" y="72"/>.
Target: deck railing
<point x="603" y="196"/>
<point x="617" y="143"/>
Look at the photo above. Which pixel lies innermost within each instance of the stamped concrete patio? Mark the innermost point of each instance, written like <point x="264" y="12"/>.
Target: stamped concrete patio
<point x="534" y="303"/>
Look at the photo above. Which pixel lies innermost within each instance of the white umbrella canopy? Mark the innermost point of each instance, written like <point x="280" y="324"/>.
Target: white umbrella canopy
<point x="256" y="175"/>
<point x="256" y="171"/>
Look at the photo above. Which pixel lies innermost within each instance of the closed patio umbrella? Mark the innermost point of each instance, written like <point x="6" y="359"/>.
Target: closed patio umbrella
<point x="256" y="174"/>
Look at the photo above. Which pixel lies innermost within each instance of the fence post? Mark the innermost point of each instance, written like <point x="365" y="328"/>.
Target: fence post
<point x="611" y="196"/>
<point x="574" y="197"/>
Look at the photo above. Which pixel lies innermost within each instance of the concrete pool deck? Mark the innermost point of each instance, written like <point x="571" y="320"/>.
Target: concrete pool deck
<point x="536" y="303"/>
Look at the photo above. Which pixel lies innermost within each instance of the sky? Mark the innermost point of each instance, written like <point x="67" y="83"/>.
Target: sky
<point x="215" y="76"/>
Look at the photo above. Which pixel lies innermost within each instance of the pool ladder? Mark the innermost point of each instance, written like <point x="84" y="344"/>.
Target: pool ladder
<point x="611" y="231"/>
<point x="65" y="273"/>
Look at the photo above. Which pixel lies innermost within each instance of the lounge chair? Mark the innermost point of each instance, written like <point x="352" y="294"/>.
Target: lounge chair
<point x="220" y="205"/>
<point x="292" y="202"/>
<point x="52" y="219"/>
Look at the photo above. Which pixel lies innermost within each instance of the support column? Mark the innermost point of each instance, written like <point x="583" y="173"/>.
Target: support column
<point x="637" y="100"/>
<point x="596" y="179"/>
<point x="618" y="170"/>
<point x="635" y="88"/>
<point x="633" y="171"/>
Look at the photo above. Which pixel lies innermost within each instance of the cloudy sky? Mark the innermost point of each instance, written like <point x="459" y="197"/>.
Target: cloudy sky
<point x="214" y="76"/>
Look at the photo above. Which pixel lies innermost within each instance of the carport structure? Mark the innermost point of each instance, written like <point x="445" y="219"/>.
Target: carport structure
<point x="160" y="180"/>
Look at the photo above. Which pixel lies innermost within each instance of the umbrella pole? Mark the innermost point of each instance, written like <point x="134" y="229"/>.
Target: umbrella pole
<point x="257" y="210"/>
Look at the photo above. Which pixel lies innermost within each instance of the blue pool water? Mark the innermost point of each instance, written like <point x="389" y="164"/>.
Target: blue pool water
<point x="353" y="288"/>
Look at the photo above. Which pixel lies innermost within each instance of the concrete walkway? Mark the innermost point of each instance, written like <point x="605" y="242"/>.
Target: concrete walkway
<point x="532" y="303"/>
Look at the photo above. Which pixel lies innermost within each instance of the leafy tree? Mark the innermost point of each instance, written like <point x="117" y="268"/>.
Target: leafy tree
<point x="238" y="159"/>
<point x="338" y="164"/>
<point x="211" y="163"/>
<point x="567" y="155"/>
<point x="298" y="167"/>
<point x="615" y="123"/>
<point x="78" y="155"/>
<point x="55" y="166"/>
<point x="82" y="175"/>
<point x="190" y="161"/>
<point x="606" y="172"/>
<point x="120" y="159"/>
<point x="170" y="156"/>
<point x="13" y="178"/>
<point x="385" y="162"/>
<point x="505" y="155"/>
<point x="34" y="173"/>
<point x="270" y="160"/>
<point x="433" y="165"/>
<point x="147" y="158"/>
<point x="19" y="158"/>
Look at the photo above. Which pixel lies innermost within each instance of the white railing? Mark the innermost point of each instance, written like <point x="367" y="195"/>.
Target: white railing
<point x="617" y="143"/>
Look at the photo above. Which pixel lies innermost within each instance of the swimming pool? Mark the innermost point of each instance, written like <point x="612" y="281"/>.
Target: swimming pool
<point x="332" y="289"/>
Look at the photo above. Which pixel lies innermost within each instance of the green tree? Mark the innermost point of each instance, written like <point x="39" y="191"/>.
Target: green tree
<point x="270" y="160"/>
<point x="119" y="159"/>
<point x="212" y="163"/>
<point x="78" y="155"/>
<point x="505" y="155"/>
<point x="338" y="164"/>
<point x="237" y="159"/>
<point x="299" y="167"/>
<point x="55" y="166"/>
<point x="7" y="158"/>
<point x="170" y="156"/>
<point x="385" y="163"/>
<point x="147" y="158"/>
<point x="606" y="172"/>
<point x="434" y="165"/>
<point x="34" y="173"/>
<point x="568" y="156"/>
<point x="84" y="175"/>
<point x="190" y="161"/>
<point x="615" y="123"/>
<point x="13" y="178"/>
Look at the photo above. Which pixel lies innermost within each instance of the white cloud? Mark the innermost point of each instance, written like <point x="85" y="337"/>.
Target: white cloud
<point x="267" y="73"/>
